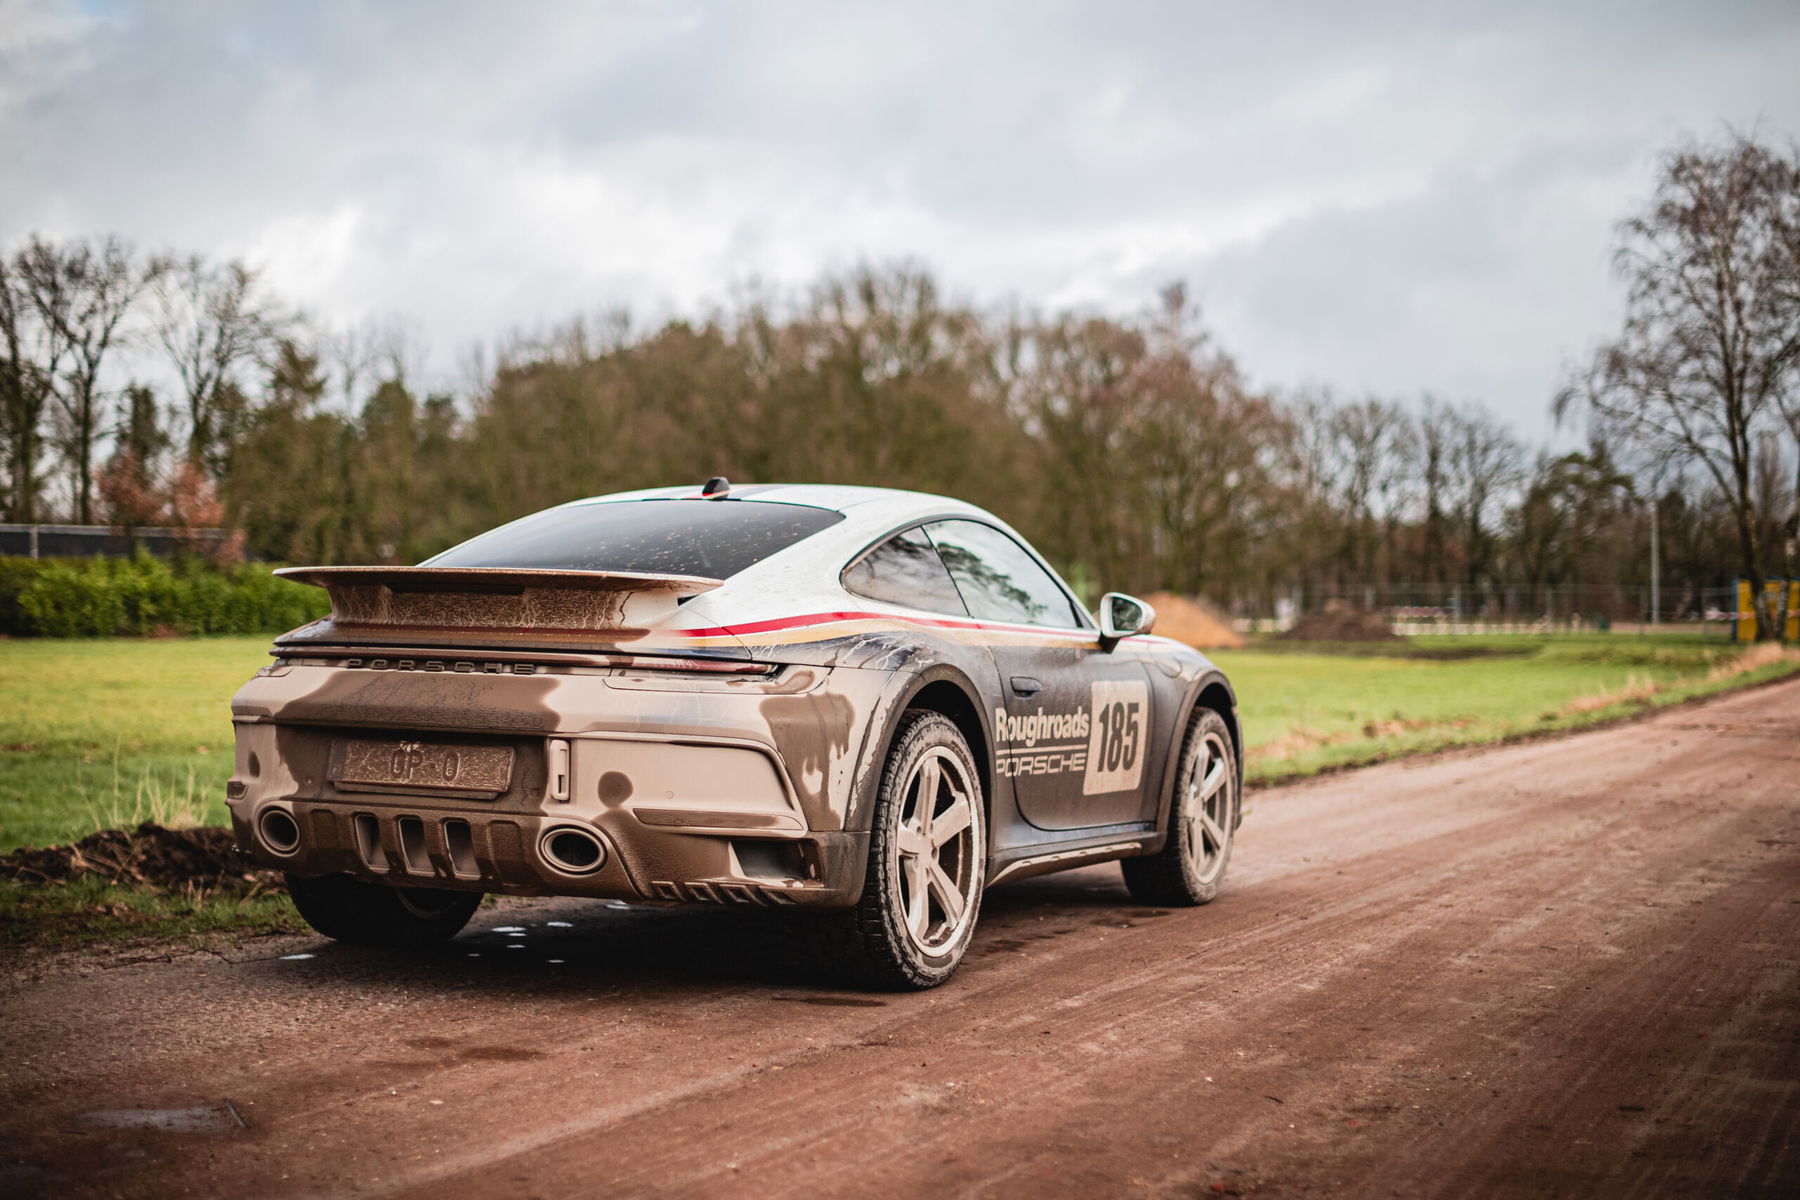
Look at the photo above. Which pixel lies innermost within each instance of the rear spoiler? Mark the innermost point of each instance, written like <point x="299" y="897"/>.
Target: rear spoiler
<point x="500" y="599"/>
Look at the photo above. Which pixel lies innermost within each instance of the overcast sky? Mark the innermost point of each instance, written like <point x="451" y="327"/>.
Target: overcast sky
<point x="1382" y="198"/>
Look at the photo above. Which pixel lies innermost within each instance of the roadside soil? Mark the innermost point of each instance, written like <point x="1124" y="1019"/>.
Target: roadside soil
<point x="1563" y="968"/>
<point x="148" y="856"/>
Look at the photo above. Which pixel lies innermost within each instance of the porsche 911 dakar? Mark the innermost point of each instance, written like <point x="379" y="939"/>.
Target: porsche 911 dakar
<point x="861" y="705"/>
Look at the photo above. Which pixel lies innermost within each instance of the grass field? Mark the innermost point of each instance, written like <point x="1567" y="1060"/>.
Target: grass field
<point x="97" y="734"/>
<point x="107" y="734"/>
<point x="1306" y="711"/>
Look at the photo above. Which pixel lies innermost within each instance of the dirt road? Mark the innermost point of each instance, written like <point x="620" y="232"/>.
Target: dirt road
<point x="1560" y="969"/>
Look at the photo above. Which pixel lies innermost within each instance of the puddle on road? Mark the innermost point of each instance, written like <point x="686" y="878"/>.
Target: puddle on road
<point x="203" y="1118"/>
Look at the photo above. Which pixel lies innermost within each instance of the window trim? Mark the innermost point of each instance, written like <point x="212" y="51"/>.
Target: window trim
<point x="1075" y="604"/>
<point x="857" y="558"/>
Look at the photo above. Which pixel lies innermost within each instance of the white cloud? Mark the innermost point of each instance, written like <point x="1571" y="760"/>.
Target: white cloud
<point x="1416" y="197"/>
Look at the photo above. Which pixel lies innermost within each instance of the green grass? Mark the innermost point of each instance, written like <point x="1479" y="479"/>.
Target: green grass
<point x="108" y="733"/>
<point x="86" y="911"/>
<point x="1305" y="710"/>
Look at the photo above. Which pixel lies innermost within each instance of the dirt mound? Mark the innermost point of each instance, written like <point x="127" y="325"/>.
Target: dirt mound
<point x="1192" y="621"/>
<point x="1339" y="622"/>
<point x="148" y="856"/>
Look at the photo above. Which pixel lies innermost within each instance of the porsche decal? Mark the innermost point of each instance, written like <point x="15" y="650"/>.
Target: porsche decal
<point x="1102" y="741"/>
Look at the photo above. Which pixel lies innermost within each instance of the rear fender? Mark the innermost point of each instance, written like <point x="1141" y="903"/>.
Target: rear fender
<point x="884" y="722"/>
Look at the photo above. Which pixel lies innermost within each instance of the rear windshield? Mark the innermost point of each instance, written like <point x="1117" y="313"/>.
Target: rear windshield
<point x="711" y="538"/>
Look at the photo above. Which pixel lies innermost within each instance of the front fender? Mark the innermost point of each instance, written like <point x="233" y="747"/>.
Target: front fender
<point x="1211" y="678"/>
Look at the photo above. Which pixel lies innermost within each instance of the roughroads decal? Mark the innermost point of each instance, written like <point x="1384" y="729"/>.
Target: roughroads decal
<point x="1050" y="743"/>
<point x="1040" y="724"/>
<point x="1115" y="749"/>
<point x="1044" y="743"/>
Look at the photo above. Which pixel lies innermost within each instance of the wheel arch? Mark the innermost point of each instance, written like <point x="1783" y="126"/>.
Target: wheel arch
<point x="944" y="696"/>
<point x="940" y="688"/>
<point x="1213" y="691"/>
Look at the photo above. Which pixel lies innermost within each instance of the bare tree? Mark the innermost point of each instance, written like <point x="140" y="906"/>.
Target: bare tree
<point x="1711" y="341"/>
<point x="83" y="291"/>
<point x="359" y="356"/>
<point x="213" y="320"/>
<point x="1376" y="444"/>
<point x="1436" y="422"/>
<point x="1487" y="463"/>
<point x="35" y="351"/>
<point x="1784" y="223"/>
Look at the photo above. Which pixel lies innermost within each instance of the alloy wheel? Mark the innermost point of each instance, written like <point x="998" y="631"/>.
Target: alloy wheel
<point x="935" y="847"/>
<point x="1206" y="807"/>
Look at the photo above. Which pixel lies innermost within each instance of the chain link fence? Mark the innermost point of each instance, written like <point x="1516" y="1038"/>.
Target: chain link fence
<point x="1511" y="608"/>
<point x="106" y="541"/>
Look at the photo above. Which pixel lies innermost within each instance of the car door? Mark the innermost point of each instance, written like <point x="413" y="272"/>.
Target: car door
<point x="1074" y="736"/>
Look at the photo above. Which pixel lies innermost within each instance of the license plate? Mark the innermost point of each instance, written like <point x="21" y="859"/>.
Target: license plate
<point x="451" y="770"/>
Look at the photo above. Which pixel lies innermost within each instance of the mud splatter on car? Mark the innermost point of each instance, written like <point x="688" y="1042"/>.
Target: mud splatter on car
<point x="867" y="703"/>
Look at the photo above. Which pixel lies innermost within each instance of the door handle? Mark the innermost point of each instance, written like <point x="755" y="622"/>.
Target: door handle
<point x="1026" y="686"/>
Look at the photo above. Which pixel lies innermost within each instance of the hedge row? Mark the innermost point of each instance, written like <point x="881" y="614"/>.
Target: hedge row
<point x="114" y="597"/>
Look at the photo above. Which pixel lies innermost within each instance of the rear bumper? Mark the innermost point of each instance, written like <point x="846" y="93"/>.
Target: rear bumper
<point x="725" y="791"/>
<point x="467" y="848"/>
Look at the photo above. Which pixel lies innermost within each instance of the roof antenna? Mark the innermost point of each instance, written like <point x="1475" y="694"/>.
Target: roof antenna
<point x="717" y="488"/>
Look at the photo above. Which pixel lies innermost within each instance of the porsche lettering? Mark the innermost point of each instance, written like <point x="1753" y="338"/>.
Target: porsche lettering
<point x="1046" y="760"/>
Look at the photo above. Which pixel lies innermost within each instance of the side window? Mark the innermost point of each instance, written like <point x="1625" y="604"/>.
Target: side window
<point x="998" y="580"/>
<point x="906" y="570"/>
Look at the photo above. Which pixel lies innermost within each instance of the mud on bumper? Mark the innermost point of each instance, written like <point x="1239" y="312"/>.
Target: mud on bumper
<point x="712" y="822"/>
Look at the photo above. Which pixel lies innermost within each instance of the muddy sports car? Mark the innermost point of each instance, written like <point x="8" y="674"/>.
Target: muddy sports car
<point x="860" y="704"/>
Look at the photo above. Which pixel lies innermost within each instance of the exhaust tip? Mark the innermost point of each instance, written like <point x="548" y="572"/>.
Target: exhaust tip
<point x="572" y="850"/>
<point x="279" y="832"/>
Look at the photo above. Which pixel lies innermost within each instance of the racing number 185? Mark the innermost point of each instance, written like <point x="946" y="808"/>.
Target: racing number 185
<point x="1115" y="755"/>
<point x="1119" y="734"/>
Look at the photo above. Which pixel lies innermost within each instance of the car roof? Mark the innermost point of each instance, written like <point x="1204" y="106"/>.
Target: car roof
<point x="872" y="505"/>
<point x="805" y="575"/>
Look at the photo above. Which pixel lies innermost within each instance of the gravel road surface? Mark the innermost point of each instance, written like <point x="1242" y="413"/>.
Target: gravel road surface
<point x="1566" y="968"/>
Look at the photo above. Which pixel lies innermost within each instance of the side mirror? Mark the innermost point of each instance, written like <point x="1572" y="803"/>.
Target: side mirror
<point x="1121" y="616"/>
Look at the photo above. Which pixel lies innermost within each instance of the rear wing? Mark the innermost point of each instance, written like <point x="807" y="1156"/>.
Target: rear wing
<point x="502" y="600"/>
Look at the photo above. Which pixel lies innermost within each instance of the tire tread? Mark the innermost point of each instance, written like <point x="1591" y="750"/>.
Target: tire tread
<point x="1165" y="879"/>
<point x="861" y="946"/>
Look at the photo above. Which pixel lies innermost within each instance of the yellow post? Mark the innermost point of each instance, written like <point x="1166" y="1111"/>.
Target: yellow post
<point x="1790" y="631"/>
<point x="1744" y="628"/>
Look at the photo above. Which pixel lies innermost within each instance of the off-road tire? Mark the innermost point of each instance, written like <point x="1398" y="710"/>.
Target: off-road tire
<point x="371" y="914"/>
<point x="1175" y="876"/>
<point x="869" y="945"/>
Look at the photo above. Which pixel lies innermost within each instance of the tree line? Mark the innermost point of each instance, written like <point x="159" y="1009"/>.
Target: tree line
<point x="160" y="389"/>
